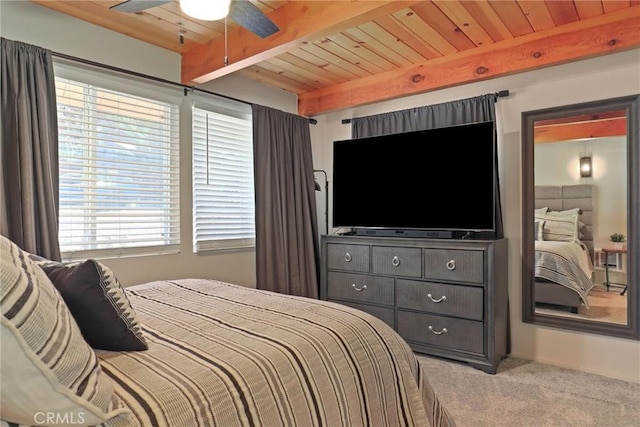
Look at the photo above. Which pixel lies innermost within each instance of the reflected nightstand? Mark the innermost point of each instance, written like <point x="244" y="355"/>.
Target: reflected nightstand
<point x="606" y="252"/>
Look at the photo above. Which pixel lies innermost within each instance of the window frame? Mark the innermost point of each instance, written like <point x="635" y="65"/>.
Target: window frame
<point x="139" y="87"/>
<point x="237" y="110"/>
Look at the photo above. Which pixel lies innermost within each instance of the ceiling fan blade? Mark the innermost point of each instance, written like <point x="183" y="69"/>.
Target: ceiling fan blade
<point x="132" y="6"/>
<point x="246" y="14"/>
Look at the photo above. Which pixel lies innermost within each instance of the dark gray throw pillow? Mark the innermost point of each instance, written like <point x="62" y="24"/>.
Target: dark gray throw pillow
<point x="539" y="230"/>
<point x="98" y="303"/>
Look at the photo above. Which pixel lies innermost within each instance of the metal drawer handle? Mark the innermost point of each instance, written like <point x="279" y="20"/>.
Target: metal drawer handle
<point x="442" y="298"/>
<point x="353" y="285"/>
<point x="347" y="257"/>
<point x="443" y="331"/>
<point x="395" y="261"/>
<point x="451" y="265"/>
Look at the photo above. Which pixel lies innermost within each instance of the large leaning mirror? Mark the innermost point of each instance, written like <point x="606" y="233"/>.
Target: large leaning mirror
<point x="581" y="186"/>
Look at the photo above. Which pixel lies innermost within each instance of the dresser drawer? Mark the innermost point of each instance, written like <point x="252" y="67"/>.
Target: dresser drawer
<point x="396" y="261"/>
<point x="458" y="334"/>
<point x="454" y="264"/>
<point x="387" y="315"/>
<point x="348" y="257"/>
<point x="452" y="300"/>
<point x="360" y="288"/>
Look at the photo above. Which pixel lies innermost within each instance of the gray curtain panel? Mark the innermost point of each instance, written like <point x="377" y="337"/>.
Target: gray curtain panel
<point x="470" y="110"/>
<point x="287" y="247"/>
<point x="29" y="149"/>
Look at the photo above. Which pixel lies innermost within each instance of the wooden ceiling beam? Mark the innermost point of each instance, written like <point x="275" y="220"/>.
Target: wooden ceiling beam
<point x="299" y="23"/>
<point x="602" y="35"/>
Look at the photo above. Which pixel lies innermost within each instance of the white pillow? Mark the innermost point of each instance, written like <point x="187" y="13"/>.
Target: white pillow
<point x="46" y="364"/>
<point x="569" y="212"/>
<point x="574" y="211"/>
<point x="559" y="227"/>
<point x="540" y="211"/>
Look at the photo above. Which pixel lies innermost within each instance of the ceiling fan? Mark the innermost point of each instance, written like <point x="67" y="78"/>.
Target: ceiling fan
<point x="243" y="12"/>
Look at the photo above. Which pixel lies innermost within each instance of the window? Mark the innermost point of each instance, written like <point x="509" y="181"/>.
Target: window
<point x="119" y="168"/>
<point x="223" y="191"/>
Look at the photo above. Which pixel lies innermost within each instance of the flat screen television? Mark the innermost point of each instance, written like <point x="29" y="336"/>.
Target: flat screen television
<point x="431" y="183"/>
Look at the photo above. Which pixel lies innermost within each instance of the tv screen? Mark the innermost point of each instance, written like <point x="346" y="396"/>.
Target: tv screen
<point x="436" y="179"/>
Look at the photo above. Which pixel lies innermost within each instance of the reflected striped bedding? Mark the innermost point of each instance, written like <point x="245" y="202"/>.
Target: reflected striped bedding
<point x="565" y="263"/>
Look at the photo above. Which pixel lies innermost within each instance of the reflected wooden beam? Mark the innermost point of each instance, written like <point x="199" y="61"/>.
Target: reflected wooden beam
<point x="563" y="130"/>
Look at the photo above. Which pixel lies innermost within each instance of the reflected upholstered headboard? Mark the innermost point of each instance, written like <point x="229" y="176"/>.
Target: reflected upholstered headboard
<point x="563" y="197"/>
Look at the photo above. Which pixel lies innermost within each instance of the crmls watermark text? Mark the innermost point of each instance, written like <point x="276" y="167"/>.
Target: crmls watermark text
<point x="58" y="418"/>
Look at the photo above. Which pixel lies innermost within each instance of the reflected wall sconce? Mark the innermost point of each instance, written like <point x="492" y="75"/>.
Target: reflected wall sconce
<point x="585" y="166"/>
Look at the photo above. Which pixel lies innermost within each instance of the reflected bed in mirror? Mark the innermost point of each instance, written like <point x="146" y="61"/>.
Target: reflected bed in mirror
<point x="564" y="269"/>
<point x="580" y="186"/>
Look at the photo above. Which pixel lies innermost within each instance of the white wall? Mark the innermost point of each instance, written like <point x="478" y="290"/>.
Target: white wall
<point x="615" y="75"/>
<point x="598" y="78"/>
<point x="30" y="23"/>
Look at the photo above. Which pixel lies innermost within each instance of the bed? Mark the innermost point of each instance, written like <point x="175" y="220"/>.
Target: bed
<point x="564" y="265"/>
<point x="199" y="353"/>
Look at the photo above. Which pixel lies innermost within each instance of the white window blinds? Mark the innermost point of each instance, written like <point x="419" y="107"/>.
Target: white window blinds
<point x="223" y="190"/>
<point x="119" y="172"/>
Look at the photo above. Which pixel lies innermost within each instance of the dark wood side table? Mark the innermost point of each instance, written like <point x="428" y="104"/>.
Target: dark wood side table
<point x="606" y="252"/>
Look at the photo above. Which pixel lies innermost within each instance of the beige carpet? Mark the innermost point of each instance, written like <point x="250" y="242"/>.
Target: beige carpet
<point x="610" y="307"/>
<point x="531" y="394"/>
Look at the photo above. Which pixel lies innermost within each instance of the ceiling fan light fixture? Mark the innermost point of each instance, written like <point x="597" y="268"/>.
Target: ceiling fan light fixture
<point x="205" y="10"/>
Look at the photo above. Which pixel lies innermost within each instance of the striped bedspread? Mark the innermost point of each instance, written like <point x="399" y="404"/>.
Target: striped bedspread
<point x="565" y="263"/>
<point x="224" y="355"/>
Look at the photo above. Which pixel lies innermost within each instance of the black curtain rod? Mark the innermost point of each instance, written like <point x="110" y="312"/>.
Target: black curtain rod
<point x="500" y="94"/>
<point x="152" y="78"/>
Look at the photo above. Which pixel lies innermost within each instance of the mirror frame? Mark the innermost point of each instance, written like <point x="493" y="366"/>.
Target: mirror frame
<point x="631" y="104"/>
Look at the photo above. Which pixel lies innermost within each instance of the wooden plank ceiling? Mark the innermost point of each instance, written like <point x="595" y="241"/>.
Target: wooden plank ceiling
<point x="339" y="54"/>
